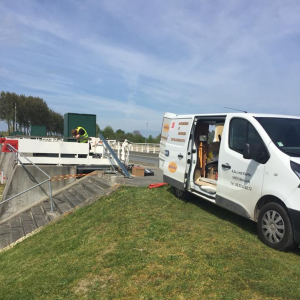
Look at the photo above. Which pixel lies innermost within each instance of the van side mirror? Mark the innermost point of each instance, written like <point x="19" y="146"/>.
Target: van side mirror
<point x="250" y="153"/>
<point x="247" y="153"/>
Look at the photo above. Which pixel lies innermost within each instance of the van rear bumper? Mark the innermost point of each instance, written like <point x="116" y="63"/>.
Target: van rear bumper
<point x="173" y="182"/>
<point x="295" y="217"/>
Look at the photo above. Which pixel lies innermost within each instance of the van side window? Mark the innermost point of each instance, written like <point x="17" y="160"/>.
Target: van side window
<point x="254" y="139"/>
<point x="241" y="132"/>
<point x="237" y="135"/>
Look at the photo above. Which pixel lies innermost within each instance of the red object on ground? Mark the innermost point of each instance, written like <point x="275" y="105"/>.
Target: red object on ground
<point x="13" y="143"/>
<point x="156" y="185"/>
<point x="2" y="140"/>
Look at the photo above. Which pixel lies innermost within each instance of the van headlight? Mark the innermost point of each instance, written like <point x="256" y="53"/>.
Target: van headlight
<point x="296" y="168"/>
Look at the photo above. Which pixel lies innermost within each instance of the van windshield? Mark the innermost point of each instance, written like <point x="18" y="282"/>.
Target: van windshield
<point x="284" y="132"/>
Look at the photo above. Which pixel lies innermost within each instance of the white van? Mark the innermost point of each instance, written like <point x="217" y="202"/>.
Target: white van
<point x="247" y="163"/>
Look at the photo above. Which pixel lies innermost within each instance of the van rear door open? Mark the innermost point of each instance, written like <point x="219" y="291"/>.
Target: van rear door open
<point x="164" y="136"/>
<point x="176" y="151"/>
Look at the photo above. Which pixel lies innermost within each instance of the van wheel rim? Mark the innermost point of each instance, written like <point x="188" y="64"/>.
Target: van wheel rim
<point x="273" y="226"/>
<point x="179" y="193"/>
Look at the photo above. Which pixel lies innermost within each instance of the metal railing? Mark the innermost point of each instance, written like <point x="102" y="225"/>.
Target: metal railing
<point x="16" y="152"/>
<point x="138" y="147"/>
<point x="145" y="147"/>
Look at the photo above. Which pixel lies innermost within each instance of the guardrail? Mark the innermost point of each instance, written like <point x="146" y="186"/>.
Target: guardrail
<point x="144" y="147"/>
<point x="137" y="147"/>
<point x="16" y="153"/>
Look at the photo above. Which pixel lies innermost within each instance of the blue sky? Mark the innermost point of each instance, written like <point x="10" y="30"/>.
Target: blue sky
<point x="129" y="61"/>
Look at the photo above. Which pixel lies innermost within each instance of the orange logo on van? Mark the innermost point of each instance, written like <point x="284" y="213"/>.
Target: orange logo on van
<point x="166" y="127"/>
<point x="172" y="167"/>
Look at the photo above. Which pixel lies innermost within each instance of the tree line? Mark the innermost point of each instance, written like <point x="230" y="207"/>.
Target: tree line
<point x="135" y="136"/>
<point x="20" y="112"/>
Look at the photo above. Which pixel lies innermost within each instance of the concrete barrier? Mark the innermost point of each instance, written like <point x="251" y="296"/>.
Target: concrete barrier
<point x="6" y="163"/>
<point x="22" y="178"/>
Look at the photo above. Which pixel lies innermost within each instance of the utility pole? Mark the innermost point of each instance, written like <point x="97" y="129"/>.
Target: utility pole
<point x="15" y="116"/>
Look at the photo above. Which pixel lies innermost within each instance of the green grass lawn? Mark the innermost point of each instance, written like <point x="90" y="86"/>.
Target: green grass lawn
<point x="146" y="244"/>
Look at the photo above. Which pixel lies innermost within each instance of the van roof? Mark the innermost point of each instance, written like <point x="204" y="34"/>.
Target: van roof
<point x="175" y="116"/>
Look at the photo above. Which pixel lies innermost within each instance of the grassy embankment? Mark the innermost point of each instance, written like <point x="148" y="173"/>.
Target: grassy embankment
<point x="146" y="244"/>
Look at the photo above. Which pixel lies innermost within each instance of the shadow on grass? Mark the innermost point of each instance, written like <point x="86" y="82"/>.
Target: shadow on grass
<point x="221" y="212"/>
<point x="224" y="214"/>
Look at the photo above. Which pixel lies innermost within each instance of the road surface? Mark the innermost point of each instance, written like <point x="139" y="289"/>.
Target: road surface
<point x="143" y="158"/>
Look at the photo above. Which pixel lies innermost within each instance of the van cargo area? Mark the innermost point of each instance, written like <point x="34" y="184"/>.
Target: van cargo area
<point x="207" y="137"/>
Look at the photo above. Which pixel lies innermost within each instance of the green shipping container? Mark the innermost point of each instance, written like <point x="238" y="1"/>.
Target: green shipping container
<point x="72" y="121"/>
<point x="38" y="130"/>
<point x="15" y="133"/>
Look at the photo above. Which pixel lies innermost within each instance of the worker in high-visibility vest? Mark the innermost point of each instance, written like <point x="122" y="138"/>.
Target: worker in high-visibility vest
<point x="80" y="134"/>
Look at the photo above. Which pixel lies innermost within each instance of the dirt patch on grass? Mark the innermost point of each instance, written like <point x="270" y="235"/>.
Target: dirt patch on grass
<point x="101" y="281"/>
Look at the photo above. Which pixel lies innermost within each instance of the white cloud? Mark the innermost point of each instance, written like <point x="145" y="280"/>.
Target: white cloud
<point x="139" y="59"/>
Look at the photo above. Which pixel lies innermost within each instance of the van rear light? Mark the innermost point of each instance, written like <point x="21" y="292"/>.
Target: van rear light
<point x="296" y="168"/>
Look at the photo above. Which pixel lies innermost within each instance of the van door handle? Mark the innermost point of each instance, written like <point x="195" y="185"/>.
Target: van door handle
<point x="226" y="166"/>
<point x="180" y="155"/>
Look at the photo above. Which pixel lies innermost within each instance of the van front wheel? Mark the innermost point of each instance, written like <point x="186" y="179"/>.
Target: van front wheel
<point x="275" y="228"/>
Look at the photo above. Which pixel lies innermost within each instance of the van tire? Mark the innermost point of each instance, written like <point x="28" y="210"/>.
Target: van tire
<point x="180" y="194"/>
<point x="275" y="227"/>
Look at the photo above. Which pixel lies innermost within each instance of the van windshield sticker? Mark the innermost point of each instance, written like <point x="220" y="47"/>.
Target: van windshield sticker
<point x="280" y="144"/>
